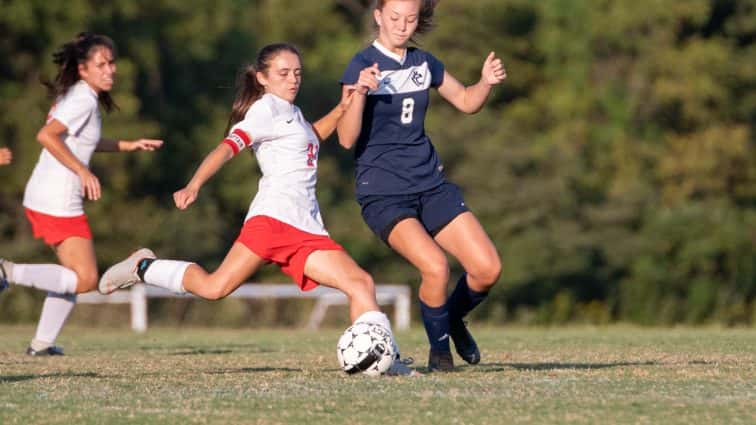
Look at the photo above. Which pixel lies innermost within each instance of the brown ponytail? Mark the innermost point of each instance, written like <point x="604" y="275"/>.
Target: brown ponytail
<point x="248" y="89"/>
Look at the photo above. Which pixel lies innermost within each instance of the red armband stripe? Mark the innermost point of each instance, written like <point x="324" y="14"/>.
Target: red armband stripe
<point x="238" y="140"/>
<point x="232" y="144"/>
<point x="244" y="136"/>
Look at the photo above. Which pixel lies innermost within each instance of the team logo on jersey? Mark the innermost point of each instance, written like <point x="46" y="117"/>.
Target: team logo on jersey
<point x="417" y="78"/>
<point x="402" y="81"/>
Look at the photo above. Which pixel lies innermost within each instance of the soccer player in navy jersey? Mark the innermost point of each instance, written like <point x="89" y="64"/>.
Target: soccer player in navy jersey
<point x="283" y="225"/>
<point x="400" y="184"/>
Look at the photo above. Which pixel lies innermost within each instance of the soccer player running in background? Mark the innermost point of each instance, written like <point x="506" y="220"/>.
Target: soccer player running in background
<point x="283" y="224"/>
<point x="6" y="156"/>
<point x="401" y="188"/>
<point x="61" y="179"/>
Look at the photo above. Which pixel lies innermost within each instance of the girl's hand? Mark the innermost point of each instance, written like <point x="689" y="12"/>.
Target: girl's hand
<point x="185" y="197"/>
<point x="6" y="156"/>
<point x="347" y="96"/>
<point x="90" y="184"/>
<point x="142" y="145"/>
<point x="493" y="71"/>
<point x="368" y="79"/>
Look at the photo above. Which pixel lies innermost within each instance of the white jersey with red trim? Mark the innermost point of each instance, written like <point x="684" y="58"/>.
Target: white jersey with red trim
<point x="286" y="148"/>
<point x="54" y="189"/>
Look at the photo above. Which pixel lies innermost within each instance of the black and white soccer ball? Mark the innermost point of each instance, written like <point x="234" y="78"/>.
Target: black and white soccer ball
<point x="365" y="348"/>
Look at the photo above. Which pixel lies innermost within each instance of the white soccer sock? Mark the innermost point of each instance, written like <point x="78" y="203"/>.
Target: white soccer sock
<point x="168" y="274"/>
<point x="379" y="318"/>
<point x="55" y="311"/>
<point x="47" y="277"/>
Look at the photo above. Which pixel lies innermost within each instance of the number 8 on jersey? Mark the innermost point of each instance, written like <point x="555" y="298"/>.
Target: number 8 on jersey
<point x="408" y="106"/>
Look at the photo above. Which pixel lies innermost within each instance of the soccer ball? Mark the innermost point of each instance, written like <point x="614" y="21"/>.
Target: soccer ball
<point x="366" y="348"/>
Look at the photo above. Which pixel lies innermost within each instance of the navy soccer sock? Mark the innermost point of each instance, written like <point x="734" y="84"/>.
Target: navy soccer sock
<point x="142" y="267"/>
<point x="463" y="299"/>
<point x="436" y="321"/>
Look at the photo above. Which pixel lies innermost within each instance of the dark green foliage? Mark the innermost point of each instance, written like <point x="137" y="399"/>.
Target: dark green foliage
<point x="615" y="169"/>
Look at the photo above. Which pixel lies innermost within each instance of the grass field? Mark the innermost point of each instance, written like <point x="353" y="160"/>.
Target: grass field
<point x="608" y="375"/>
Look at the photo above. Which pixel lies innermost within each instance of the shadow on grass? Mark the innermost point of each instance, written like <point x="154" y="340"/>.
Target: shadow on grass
<point x="498" y="367"/>
<point x="191" y="350"/>
<point x="200" y="351"/>
<point x="251" y="370"/>
<point x="19" y="378"/>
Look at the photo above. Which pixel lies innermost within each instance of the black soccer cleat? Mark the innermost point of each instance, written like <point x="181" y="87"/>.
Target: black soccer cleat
<point x="441" y="361"/>
<point x="49" y="351"/>
<point x="464" y="342"/>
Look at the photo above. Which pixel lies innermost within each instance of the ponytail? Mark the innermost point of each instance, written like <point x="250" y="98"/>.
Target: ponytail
<point x="248" y="90"/>
<point x="425" y="20"/>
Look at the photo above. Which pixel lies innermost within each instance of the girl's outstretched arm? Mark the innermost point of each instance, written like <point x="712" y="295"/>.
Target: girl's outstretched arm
<point x="209" y="166"/>
<point x="6" y="156"/>
<point x="350" y="125"/>
<point x="471" y="99"/>
<point x="108" y="145"/>
<point x="325" y="126"/>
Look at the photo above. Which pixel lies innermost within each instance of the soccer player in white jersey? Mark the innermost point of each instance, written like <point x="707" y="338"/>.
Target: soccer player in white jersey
<point x="283" y="225"/>
<point x="6" y="156"/>
<point x="405" y="197"/>
<point x="61" y="179"/>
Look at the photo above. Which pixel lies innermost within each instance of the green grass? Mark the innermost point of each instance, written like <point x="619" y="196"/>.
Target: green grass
<point x="608" y="375"/>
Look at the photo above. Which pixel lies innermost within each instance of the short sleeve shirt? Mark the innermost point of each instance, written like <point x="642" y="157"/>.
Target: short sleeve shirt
<point x="54" y="189"/>
<point x="286" y="149"/>
<point x="393" y="153"/>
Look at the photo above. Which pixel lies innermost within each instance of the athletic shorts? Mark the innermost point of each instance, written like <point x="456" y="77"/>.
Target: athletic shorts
<point x="54" y="230"/>
<point x="285" y="245"/>
<point x="434" y="208"/>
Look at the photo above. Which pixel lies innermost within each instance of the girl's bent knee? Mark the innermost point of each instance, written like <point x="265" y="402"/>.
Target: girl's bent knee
<point x="436" y="273"/>
<point x="364" y="284"/>
<point x="86" y="282"/>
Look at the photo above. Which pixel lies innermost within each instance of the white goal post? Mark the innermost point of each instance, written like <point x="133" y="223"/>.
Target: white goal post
<point x="398" y="295"/>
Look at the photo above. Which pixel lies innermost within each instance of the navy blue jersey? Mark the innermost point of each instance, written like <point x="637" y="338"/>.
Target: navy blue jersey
<point x="394" y="155"/>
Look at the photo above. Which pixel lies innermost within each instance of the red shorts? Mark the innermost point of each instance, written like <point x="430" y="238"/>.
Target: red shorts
<point x="285" y="245"/>
<point x="54" y="230"/>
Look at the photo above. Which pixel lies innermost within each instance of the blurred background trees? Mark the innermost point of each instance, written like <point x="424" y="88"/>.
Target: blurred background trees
<point x="615" y="168"/>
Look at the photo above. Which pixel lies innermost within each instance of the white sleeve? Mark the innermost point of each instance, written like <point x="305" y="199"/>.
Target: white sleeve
<point x="74" y="112"/>
<point x="255" y="128"/>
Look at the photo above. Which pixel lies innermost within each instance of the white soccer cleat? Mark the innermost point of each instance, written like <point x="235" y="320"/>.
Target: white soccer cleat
<point x="399" y="368"/>
<point x="123" y="274"/>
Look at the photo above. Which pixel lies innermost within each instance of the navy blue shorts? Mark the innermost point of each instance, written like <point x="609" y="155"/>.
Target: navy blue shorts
<point x="434" y="208"/>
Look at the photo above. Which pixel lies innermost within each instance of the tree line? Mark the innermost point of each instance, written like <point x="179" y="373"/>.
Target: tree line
<point x="615" y="168"/>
